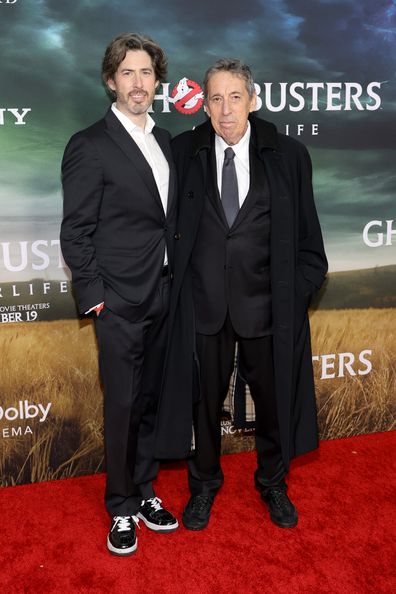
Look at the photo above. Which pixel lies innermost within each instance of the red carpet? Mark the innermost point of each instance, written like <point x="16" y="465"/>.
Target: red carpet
<point x="53" y="534"/>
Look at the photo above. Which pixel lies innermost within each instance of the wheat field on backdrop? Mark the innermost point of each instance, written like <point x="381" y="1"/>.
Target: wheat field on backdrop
<point x="57" y="362"/>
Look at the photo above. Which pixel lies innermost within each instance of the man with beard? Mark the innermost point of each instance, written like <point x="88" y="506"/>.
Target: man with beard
<point x="119" y="215"/>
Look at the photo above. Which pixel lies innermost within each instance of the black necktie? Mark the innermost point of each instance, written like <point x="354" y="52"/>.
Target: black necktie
<point x="229" y="187"/>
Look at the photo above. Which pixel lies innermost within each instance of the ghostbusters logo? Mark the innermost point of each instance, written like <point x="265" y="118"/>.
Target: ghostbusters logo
<point x="187" y="96"/>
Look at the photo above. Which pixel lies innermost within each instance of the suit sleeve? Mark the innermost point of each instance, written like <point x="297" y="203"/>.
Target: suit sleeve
<point x="82" y="181"/>
<point x="311" y="257"/>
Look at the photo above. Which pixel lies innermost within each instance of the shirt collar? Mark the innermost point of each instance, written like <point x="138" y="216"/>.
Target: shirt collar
<point x="240" y="147"/>
<point x="129" y="125"/>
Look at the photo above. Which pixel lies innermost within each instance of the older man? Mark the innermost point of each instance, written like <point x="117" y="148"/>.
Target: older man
<point x="249" y="258"/>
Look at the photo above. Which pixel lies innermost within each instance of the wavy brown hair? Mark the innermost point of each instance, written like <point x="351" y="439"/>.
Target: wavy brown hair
<point x="118" y="47"/>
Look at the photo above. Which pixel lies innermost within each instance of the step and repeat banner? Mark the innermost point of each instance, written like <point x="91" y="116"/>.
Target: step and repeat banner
<point x="325" y="74"/>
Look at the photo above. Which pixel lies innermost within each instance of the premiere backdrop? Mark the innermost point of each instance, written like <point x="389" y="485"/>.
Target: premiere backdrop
<point x="324" y="72"/>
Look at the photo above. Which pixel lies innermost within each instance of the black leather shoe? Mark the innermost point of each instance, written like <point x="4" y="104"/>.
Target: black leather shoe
<point x="282" y="511"/>
<point x="121" y="539"/>
<point x="156" y="517"/>
<point x="197" y="512"/>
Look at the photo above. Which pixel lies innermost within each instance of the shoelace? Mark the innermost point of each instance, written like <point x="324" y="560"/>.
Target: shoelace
<point x="123" y="523"/>
<point x="155" y="503"/>
<point x="200" y="502"/>
<point x="281" y="499"/>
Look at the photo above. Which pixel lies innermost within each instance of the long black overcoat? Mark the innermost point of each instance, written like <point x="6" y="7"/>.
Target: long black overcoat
<point x="298" y="268"/>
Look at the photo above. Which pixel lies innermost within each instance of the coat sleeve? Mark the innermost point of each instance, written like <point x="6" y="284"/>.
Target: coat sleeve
<point x="311" y="257"/>
<point x="82" y="180"/>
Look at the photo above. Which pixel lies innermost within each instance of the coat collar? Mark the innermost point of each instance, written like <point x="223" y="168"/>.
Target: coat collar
<point x="119" y="134"/>
<point x="264" y="135"/>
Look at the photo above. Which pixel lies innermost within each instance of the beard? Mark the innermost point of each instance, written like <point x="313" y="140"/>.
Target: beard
<point x="128" y="104"/>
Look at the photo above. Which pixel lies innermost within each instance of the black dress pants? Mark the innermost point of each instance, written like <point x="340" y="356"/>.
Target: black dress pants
<point x="216" y="357"/>
<point x="131" y="361"/>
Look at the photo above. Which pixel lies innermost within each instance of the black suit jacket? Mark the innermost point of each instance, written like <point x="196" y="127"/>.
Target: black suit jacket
<point x="231" y="266"/>
<point x="114" y="230"/>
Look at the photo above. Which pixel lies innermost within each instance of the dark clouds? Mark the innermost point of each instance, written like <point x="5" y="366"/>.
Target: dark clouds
<point x="348" y="36"/>
<point x="51" y="54"/>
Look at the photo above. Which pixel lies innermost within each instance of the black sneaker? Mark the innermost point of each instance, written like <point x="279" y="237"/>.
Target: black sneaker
<point x="156" y="517"/>
<point x="282" y="511"/>
<point x="121" y="539"/>
<point x="197" y="512"/>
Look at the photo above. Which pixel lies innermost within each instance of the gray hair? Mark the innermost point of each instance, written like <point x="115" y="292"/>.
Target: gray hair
<point x="234" y="66"/>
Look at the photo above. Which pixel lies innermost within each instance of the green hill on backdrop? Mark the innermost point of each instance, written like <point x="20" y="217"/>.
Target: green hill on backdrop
<point x="358" y="289"/>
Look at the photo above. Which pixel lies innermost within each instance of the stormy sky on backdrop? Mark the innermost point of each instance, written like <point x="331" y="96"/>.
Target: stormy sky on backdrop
<point x="51" y="53"/>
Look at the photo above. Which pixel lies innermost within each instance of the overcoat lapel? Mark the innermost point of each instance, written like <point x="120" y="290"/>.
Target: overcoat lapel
<point x="282" y="242"/>
<point x="191" y="203"/>
<point x="280" y="191"/>
<point x="129" y="147"/>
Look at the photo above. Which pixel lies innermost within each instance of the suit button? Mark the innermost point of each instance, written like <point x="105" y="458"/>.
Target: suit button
<point x="190" y="194"/>
<point x="177" y="236"/>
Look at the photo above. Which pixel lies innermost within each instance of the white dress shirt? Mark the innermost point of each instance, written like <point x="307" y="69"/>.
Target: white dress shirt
<point x="241" y="160"/>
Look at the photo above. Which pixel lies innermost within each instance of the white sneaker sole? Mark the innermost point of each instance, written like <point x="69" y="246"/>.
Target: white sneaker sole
<point x="121" y="552"/>
<point x="157" y="528"/>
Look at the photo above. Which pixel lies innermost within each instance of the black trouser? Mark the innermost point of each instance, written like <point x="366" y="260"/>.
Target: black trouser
<point x="216" y="357"/>
<point x="131" y="361"/>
